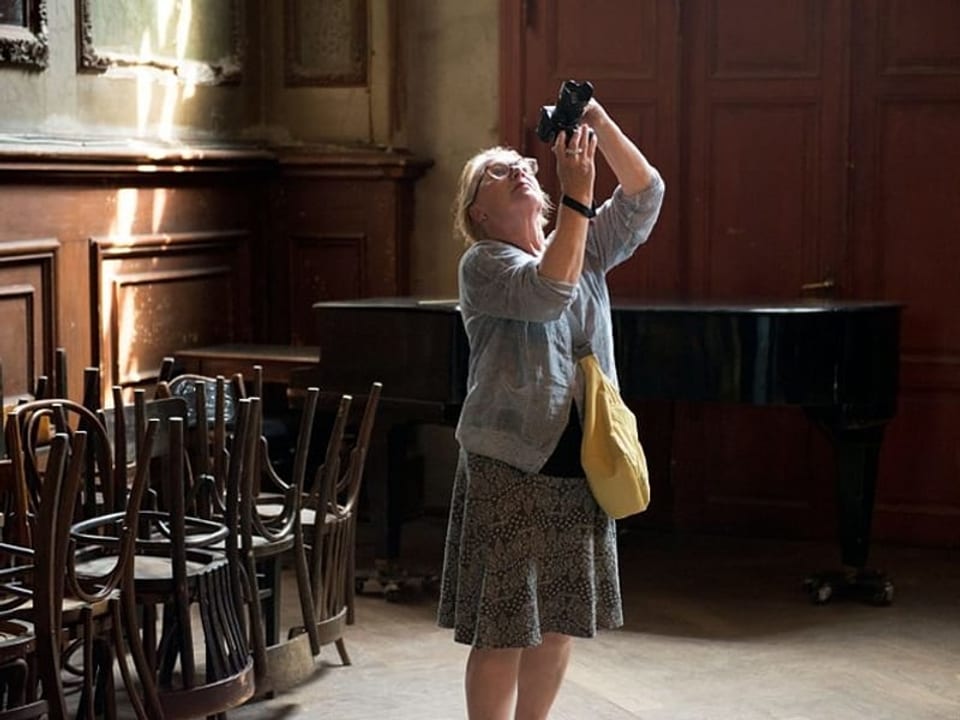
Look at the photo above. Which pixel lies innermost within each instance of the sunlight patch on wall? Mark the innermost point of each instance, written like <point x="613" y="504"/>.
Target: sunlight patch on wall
<point x="159" y="205"/>
<point x="126" y="214"/>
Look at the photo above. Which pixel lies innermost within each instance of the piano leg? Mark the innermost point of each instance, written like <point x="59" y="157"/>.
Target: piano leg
<point x="393" y="494"/>
<point x="857" y="452"/>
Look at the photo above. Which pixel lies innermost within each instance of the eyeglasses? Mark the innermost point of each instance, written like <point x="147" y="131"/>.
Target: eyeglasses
<point x="501" y="170"/>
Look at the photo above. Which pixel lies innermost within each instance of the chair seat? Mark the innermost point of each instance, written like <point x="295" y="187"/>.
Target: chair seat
<point x="261" y="545"/>
<point x="14" y="635"/>
<point x="308" y="516"/>
<point x="72" y="607"/>
<point x="151" y="573"/>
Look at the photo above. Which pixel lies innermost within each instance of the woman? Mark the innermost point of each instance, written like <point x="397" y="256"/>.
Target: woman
<point x="531" y="560"/>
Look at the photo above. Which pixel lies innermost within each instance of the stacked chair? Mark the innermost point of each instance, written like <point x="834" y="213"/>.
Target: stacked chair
<point x="56" y="482"/>
<point x="125" y="525"/>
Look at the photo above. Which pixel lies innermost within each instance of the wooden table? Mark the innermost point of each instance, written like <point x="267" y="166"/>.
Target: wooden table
<point x="278" y="361"/>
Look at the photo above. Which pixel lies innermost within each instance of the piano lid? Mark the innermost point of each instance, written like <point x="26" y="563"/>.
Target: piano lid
<point x="761" y="307"/>
<point x="815" y="353"/>
<point x="393" y="303"/>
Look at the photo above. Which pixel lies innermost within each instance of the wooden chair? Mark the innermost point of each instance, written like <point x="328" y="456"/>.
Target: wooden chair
<point x="329" y="520"/>
<point x="69" y="615"/>
<point x="268" y="536"/>
<point x="211" y="413"/>
<point x="105" y="595"/>
<point x="176" y="564"/>
<point x="20" y="580"/>
<point x="264" y="539"/>
<point x="85" y="624"/>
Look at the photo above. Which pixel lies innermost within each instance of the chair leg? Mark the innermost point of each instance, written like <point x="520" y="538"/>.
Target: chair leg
<point x="149" y="633"/>
<point x="342" y="650"/>
<point x="273" y="579"/>
<point x="258" y="641"/>
<point x="105" y="700"/>
<point x="87" y="706"/>
<point x="351" y="588"/>
<point x="307" y="609"/>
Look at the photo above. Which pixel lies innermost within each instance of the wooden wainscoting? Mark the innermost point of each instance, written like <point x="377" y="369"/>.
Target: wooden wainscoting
<point x="150" y="251"/>
<point x="142" y="252"/>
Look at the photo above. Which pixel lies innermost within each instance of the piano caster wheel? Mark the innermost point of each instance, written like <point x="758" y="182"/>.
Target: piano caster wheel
<point x="820" y="591"/>
<point x="431" y="584"/>
<point x="883" y="595"/>
<point x="393" y="592"/>
<point x="864" y="585"/>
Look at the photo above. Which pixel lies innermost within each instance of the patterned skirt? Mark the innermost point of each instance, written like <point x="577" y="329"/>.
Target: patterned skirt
<point x="526" y="554"/>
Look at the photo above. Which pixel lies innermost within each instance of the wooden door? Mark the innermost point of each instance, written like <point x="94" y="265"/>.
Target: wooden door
<point x="629" y="50"/>
<point x="740" y="104"/>
<point x="809" y="149"/>
<point x="906" y="246"/>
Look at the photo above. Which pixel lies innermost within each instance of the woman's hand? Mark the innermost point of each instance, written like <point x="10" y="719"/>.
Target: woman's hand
<point x="631" y="168"/>
<point x="576" y="168"/>
<point x="594" y="115"/>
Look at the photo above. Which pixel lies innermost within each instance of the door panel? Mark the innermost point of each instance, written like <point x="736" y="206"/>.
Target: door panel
<point x="628" y="49"/>
<point x="906" y="108"/>
<point x="754" y="249"/>
<point x="765" y="133"/>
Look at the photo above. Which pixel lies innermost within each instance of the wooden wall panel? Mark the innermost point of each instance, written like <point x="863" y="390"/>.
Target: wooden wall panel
<point x="27" y="314"/>
<point x="325" y="266"/>
<point x="774" y="485"/>
<point x="918" y="496"/>
<point x="765" y="133"/>
<point x="345" y="232"/>
<point x="631" y="41"/>
<point x="917" y="43"/>
<point x="169" y="250"/>
<point x="912" y="257"/>
<point x="157" y="294"/>
<point x="765" y="207"/>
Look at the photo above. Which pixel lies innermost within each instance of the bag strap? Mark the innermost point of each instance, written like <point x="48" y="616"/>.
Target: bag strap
<point x="581" y="345"/>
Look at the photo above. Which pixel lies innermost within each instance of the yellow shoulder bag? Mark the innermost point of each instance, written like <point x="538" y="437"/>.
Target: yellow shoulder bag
<point x="611" y="453"/>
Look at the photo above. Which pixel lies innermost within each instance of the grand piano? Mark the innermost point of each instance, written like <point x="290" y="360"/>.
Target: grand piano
<point x="839" y="361"/>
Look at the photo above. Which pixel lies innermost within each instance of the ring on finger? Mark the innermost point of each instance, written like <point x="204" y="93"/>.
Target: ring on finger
<point x="568" y="151"/>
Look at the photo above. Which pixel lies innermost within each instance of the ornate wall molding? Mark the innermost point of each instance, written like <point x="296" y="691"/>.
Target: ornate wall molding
<point x="126" y="34"/>
<point x="326" y="43"/>
<point x="23" y="33"/>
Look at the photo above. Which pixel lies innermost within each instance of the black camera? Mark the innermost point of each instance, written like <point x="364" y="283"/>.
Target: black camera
<point x="565" y="115"/>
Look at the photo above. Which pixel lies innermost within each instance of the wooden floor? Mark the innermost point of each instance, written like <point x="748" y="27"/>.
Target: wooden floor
<point x="717" y="629"/>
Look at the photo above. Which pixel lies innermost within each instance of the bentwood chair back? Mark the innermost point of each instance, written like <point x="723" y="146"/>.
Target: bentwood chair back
<point x="93" y="564"/>
<point x="29" y="428"/>
<point x="177" y="565"/>
<point x="22" y="579"/>
<point x="330" y="524"/>
<point x="79" y="624"/>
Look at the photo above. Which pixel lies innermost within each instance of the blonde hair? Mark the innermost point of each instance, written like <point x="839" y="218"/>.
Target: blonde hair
<point x="470" y="179"/>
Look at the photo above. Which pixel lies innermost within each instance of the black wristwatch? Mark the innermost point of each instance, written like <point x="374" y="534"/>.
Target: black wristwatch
<point x="585" y="210"/>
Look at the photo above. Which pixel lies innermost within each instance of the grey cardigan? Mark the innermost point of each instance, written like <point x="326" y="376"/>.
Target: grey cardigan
<point x="522" y="372"/>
